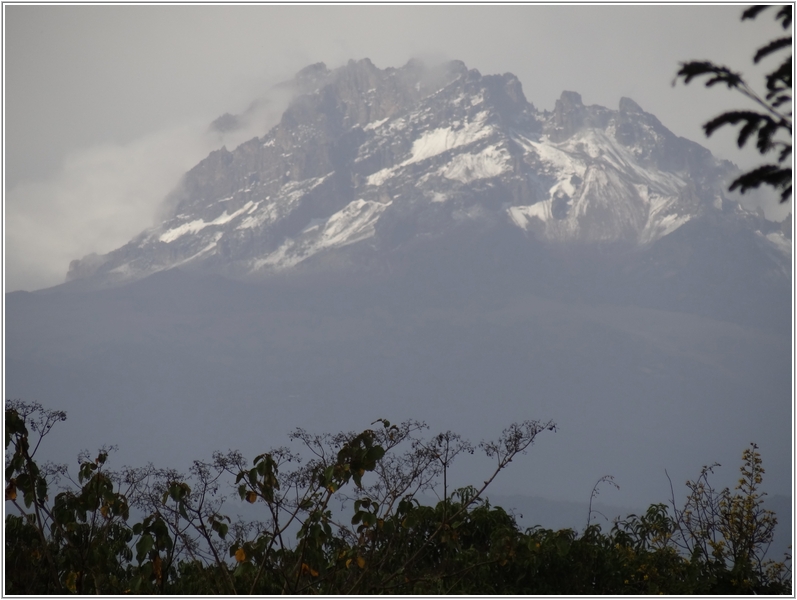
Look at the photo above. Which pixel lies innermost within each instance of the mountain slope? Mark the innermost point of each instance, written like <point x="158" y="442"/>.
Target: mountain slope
<point x="179" y="364"/>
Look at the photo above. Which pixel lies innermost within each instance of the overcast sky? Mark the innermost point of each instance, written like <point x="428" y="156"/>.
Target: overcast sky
<point x="106" y="106"/>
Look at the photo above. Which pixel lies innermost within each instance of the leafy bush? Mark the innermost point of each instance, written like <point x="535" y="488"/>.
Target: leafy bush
<point x="82" y="541"/>
<point x="771" y="125"/>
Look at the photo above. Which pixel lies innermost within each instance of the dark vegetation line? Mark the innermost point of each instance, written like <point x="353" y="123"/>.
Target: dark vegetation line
<point x="79" y="537"/>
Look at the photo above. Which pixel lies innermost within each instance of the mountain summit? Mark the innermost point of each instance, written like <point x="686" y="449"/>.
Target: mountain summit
<point x="365" y="162"/>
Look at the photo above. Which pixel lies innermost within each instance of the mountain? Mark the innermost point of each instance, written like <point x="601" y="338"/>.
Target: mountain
<point x="366" y="164"/>
<point x="422" y="242"/>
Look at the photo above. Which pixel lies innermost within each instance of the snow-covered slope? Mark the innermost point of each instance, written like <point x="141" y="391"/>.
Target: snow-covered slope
<point x="365" y="160"/>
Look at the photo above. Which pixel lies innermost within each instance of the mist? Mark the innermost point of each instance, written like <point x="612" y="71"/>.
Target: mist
<point x="103" y="195"/>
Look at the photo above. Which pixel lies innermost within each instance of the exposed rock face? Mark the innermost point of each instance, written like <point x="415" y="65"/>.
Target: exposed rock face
<point x="364" y="161"/>
<point x="86" y="267"/>
<point x="569" y="116"/>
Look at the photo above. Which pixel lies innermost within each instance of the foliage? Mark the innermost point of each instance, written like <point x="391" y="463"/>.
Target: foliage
<point x="148" y="530"/>
<point x="730" y="531"/>
<point x="772" y="123"/>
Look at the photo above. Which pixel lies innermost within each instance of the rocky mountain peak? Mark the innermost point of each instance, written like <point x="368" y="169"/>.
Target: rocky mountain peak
<point x="569" y="115"/>
<point x="311" y="77"/>
<point x="629" y="106"/>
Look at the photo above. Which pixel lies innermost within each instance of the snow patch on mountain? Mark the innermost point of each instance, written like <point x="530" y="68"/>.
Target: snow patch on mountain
<point x="552" y="156"/>
<point x="663" y="215"/>
<point x="490" y="162"/>
<point x="286" y="201"/>
<point x="597" y="145"/>
<point x="600" y="192"/>
<point x="352" y="224"/>
<point x="522" y="215"/>
<point x="213" y="243"/>
<point x="436" y="142"/>
<point x="198" y="224"/>
<point x="375" y="124"/>
<point x="443" y="139"/>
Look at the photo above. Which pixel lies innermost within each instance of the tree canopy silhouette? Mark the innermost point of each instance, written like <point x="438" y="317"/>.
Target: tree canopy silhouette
<point x="148" y="530"/>
<point x="772" y="123"/>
